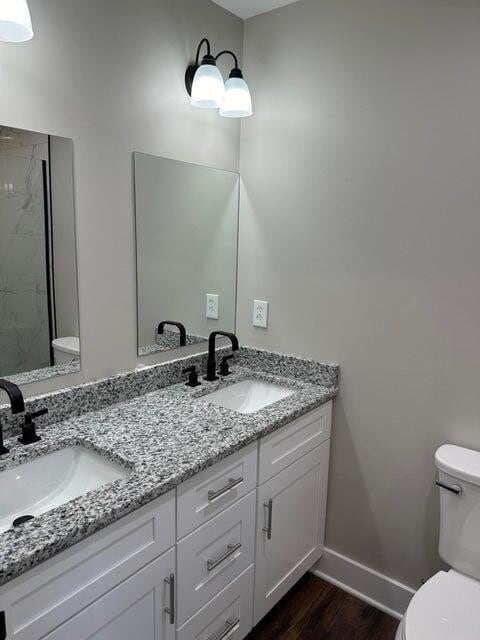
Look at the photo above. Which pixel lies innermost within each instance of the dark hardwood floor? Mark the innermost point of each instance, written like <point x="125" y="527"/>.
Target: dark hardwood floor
<point x="316" y="610"/>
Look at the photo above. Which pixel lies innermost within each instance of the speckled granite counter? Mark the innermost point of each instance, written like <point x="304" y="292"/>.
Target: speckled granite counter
<point x="166" y="341"/>
<point x="36" y="375"/>
<point x="162" y="437"/>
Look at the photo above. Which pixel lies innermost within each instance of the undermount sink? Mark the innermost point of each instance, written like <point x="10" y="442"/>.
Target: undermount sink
<point x="249" y="396"/>
<point x="51" y="480"/>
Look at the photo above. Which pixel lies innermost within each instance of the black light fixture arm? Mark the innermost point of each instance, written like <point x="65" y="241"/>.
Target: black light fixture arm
<point x="230" y="53"/>
<point x="235" y="72"/>
<point x="209" y="50"/>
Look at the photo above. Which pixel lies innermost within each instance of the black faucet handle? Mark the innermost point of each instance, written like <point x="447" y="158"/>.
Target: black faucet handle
<point x="192" y="376"/>
<point x="224" y="369"/>
<point x="29" y="433"/>
<point x="31" y="415"/>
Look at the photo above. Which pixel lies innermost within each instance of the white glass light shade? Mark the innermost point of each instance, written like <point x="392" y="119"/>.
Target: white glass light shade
<point x="238" y="102"/>
<point x="208" y="88"/>
<point x="15" y="21"/>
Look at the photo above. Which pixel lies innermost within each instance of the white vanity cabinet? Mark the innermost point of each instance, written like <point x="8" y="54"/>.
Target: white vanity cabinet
<point x="290" y="527"/>
<point x="288" y="470"/>
<point x="103" y="580"/>
<point x="204" y="562"/>
<point x="291" y="505"/>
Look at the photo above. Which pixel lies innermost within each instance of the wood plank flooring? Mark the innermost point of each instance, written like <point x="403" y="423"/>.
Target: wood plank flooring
<point x="316" y="610"/>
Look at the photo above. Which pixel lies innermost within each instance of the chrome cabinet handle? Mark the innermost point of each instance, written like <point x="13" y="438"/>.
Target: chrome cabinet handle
<point x="230" y="625"/>
<point x="171" y="609"/>
<point x="213" y="494"/>
<point x="268" y="529"/>
<point x="454" y="488"/>
<point x="231" y="548"/>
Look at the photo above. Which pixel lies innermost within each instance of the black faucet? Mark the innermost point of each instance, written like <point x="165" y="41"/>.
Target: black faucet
<point x="16" y="403"/>
<point x="211" y="362"/>
<point x="180" y="327"/>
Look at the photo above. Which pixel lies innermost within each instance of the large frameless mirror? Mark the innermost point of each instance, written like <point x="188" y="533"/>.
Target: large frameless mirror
<point x="39" y="326"/>
<point x="187" y="228"/>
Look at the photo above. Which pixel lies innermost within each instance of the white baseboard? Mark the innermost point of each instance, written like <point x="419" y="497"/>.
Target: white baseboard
<point x="379" y="590"/>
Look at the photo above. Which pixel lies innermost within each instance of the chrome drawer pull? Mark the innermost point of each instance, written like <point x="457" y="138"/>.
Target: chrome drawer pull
<point x="231" y="548"/>
<point x="268" y="529"/>
<point x="213" y="494"/>
<point x="454" y="488"/>
<point x="171" y="609"/>
<point x="230" y="625"/>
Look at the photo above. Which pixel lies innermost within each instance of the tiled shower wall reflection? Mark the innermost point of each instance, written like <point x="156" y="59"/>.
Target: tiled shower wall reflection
<point x="24" y="328"/>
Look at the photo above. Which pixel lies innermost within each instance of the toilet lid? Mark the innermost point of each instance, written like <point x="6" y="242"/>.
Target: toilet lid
<point x="447" y="607"/>
<point x="69" y="344"/>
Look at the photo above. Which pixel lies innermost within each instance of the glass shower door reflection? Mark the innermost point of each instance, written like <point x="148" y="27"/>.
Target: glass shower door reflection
<point x="25" y="327"/>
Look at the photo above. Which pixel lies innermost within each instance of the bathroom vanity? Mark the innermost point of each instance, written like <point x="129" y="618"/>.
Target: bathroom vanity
<point x="217" y="515"/>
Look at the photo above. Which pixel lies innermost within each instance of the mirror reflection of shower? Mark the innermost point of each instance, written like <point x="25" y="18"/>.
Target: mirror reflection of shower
<point x="38" y="281"/>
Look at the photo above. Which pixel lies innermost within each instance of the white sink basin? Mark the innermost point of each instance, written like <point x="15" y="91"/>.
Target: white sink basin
<point x="248" y="396"/>
<point x="51" y="480"/>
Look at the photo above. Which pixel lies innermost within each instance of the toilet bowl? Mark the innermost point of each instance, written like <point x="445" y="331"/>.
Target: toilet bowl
<point x="66" y="349"/>
<point x="447" y="606"/>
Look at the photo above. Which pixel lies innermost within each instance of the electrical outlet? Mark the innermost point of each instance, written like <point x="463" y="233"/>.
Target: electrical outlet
<point x="260" y="313"/>
<point x="212" y="306"/>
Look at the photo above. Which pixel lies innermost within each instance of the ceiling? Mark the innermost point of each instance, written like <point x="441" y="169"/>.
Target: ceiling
<point x="248" y="8"/>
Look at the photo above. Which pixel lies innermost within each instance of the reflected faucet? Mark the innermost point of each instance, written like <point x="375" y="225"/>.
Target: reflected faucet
<point x="16" y="403"/>
<point x="180" y="327"/>
<point x="211" y="362"/>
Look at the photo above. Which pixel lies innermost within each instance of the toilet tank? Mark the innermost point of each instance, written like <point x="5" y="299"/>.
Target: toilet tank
<point x="459" y="546"/>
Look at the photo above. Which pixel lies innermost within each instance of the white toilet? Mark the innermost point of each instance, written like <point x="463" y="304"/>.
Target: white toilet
<point x="447" y="607"/>
<point x="66" y="349"/>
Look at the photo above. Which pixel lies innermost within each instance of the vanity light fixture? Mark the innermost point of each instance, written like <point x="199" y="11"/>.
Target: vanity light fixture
<point x="204" y="81"/>
<point x="206" y="88"/>
<point x="237" y="102"/>
<point x="15" y="21"/>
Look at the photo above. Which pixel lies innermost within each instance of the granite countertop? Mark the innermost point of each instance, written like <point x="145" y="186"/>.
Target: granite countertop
<point x="36" y="375"/>
<point x="162" y="438"/>
<point x="168" y="340"/>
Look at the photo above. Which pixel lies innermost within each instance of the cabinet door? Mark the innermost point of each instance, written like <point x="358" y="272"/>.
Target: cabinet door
<point x="133" y="609"/>
<point x="46" y="596"/>
<point x="290" y="527"/>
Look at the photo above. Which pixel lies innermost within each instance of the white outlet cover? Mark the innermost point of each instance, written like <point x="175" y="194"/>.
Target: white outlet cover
<point x="212" y="306"/>
<point x="260" y="313"/>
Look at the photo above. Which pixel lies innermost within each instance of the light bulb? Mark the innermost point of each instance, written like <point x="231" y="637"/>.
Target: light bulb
<point x="15" y="21"/>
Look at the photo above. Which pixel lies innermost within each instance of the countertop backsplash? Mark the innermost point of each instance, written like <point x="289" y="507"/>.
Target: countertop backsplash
<point x="93" y="396"/>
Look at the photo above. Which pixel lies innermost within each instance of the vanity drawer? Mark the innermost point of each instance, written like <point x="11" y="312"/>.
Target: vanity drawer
<point x="289" y="443"/>
<point x="213" y="555"/>
<point x="228" y="615"/>
<point x="49" y="594"/>
<point x="203" y="496"/>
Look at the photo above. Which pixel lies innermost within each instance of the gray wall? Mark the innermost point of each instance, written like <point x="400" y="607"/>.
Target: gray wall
<point x="360" y="223"/>
<point x="110" y="75"/>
